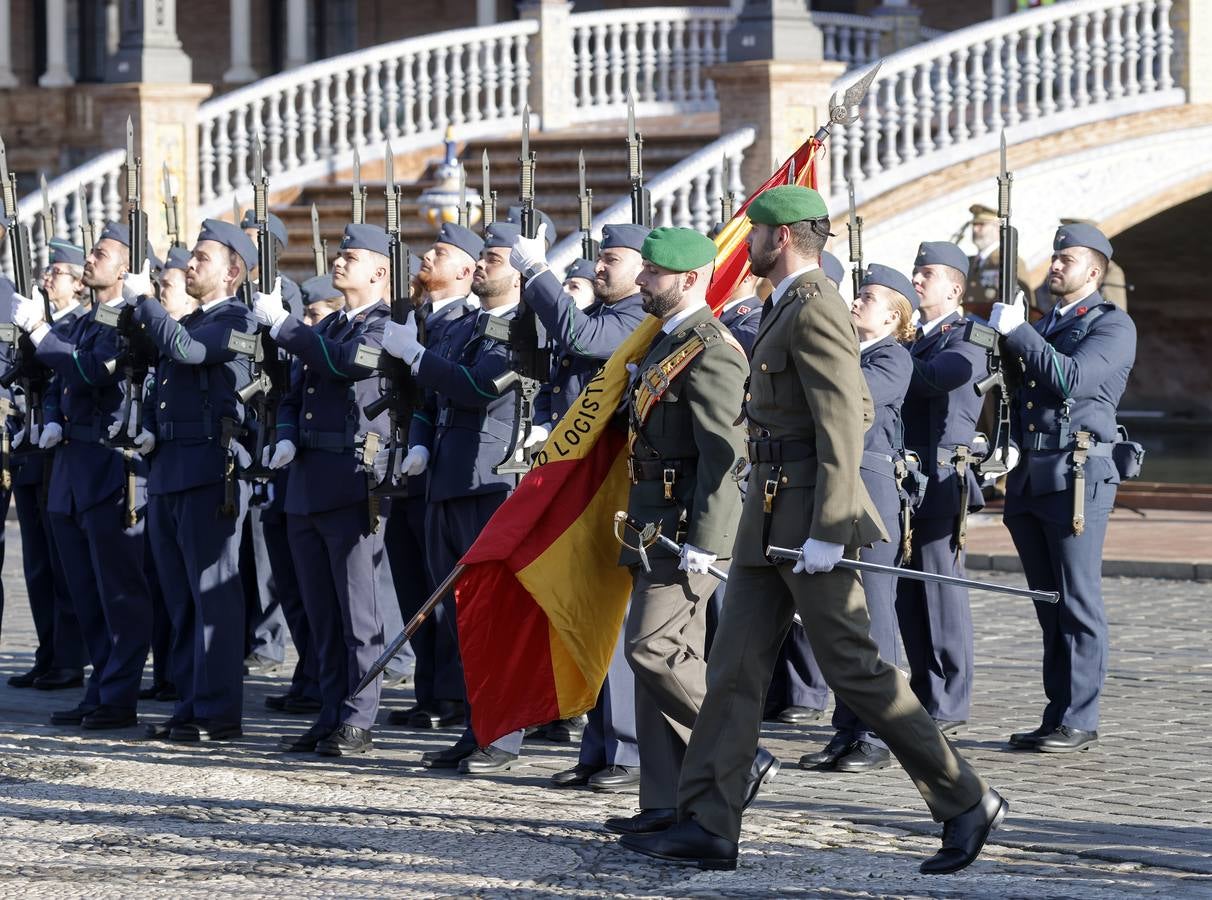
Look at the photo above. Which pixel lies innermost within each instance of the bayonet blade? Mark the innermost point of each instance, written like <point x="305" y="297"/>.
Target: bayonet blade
<point x="3" y="162"/>
<point x="46" y="204"/>
<point x="388" y="171"/>
<point x="315" y="224"/>
<point x="130" y="142"/>
<point x="581" y="172"/>
<point x="850" y="193"/>
<point x="357" y="173"/>
<point x="168" y="182"/>
<point x="258" y="173"/>
<point x="132" y="165"/>
<point x="526" y="132"/>
<point x="86" y="227"/>
<point x="630" y="117"/>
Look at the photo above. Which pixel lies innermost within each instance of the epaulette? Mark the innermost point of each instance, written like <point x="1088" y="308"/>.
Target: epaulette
<point x="712" y="330"/>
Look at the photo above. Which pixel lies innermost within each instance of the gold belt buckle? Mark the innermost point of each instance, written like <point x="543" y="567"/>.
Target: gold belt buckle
<point x="668" y="476"/>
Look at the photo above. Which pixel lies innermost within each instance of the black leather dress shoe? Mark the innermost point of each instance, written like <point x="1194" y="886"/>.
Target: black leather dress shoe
<point x="577" y="776"/>
<point x="565" y="731"/>
<point x="615" y="780"/>
<point x="645" y="822"/>
<point x="167" y="694"/>
<point x="1026" y="740"/>
<point x="25" y="679"/>
<point x="345" y="741"/>
<point x="59" y="679"/>
<point x="448" y="757"/>
<point x="864" y="757"/>
<point x="949" y="727"/>
<point x="149" y="693"/>
<point x="1066" y="740"/>
<point x="73" y="716"/>
<point x="277" y="702"/>
<point x="442" y="714"/>
<point x="301" y="706"/>
<point x="305" y="742"/>
<point x="765" y="766"/>
<point x="965" y="835"/>
<point x="798" y="715"/>
<point x="199" y="731"/>
<point x="823" y="760"/>
<point x="160" y="731"/>
<point x="257" y="664"/>
<point x="106" y="717"/>
<point x="686" y="842"/>
<point x="487" y="761"/>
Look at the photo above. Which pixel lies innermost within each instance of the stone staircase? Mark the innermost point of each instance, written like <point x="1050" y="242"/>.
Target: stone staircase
<point x="556" y="184"/>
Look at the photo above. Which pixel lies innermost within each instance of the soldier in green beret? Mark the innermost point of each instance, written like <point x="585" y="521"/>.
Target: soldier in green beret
<point x="807" y="406"/>
<point x="682" y="409"/>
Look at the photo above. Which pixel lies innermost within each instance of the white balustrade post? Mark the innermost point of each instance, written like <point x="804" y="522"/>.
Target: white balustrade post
<point x="550" y="62"/>
<point x="241" y="70"/>
<point x="296" y="34"/>
<point x="1148" y="42"/>
<point x="1013" y="82"/>
<point x="57" y="73"/>
<point x="1081" y="58"/>
<point x="1115" y="53"/>
<point x="1064" y="51"/>
<point x="7" y="78"/>
<point x="1132" y="53"/>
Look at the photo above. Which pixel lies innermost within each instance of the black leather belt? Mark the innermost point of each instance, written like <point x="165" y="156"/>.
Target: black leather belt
<point x="332" y="441"/>
<point x="1050" y="443"/>
<point x="778" y="451"/>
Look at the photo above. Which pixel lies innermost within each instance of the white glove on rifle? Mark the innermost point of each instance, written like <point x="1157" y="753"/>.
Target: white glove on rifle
<point x="145" y="442"/>
<point x="268" y="308"/>
<point x="400" y="340"/>
<point x="138" y="285"/>
<point x="526" y="253"/>
<point x="52" y="434"/>
<point x="818" y="556"/>
<point x="284" y="452"/>
<point x="29" y="312"/>
<point x="415" y="461"/>
<point x="1006" y="317"/>
<point x="243" y="457"/>
<point x="17" y="440"/>
<point x="379" y="465"/>
<point x="538" y="434"/>
<point x="694" y="560"/>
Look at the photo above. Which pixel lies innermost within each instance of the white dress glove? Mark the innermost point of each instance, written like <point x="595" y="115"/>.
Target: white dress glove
<point x="526" y="253"/>
<point x="268" y="308"/>
<point x="138" y="285"/>
<point x="1007" y="316"/>
<point x="52" y="434"/>
<point x="694" y="560"/>
<point x="145" y="442"/>
<point x="17" y="440"/>
<point x="379" y="465"/>
<point x="400" y="340"/>
<point x="243" y="457"/>
<point x="538" y="434"/>
<point x="29" y="312"/>
<point x="818" y="556"/>
<point x="414" y="461"/>
<point x="284" y="452"/>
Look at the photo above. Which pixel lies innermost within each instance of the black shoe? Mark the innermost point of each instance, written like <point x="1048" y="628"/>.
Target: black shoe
<point x="307" y="741"/>
<point x="1066" y="740"/>
<point x="59" y="679"/>
<point x="161" y="731"/>
<point x="565" y="731"/>
<point x="948" y="727"/>
<point x="345" y="741"/>
<point x="277" y="702"/>
<point x="823" y="760"/>
<point x="686" y="842"/>
<point x="1026" y="740"/>
<point x="615" y="780"/>
<point x="864" y="757"/>
<point x="396" y="679"/>
<point x="26" y="679"/>
<point x="73" y="716"/>
<point x="402" y="716"/>
<point x="167" y="694"/>
<point x="965" y="835"/>
<point x="487" y="761"/>
<point x="645" y="822"/>
<point x="193" y="732"/>
<point x="577" y="776"/>
<point x="442" y="714"/>
<point x="448" y="757"/>
<point x="798" y="715"/>
<point x="106" y="717"/>
<point x="765" y="767"/>
<point x="149" y="693"/>
<point x="257" y="664"/>
<point x="299" y="705"/>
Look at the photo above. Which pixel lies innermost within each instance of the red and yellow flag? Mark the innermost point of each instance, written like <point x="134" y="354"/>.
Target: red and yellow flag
<point x="542" y="597"/>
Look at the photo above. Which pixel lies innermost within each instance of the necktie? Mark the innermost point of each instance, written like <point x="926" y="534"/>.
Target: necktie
<point x="919" y="333"/>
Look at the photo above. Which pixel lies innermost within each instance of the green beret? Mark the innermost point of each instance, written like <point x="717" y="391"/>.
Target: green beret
<point x="678" y="249"/>
<point x="786" y="204"/>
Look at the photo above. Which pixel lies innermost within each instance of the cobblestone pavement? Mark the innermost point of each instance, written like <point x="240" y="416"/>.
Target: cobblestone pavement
<point x="106" y="815"/>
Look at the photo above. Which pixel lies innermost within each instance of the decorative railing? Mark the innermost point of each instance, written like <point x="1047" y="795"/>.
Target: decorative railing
<point x="310" y="119"/>
<point x="686" y="195"/>
<point x="1033" y="73"/>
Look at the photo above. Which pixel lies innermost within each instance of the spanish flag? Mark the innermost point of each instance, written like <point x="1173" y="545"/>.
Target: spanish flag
<point x="542" y="595"/>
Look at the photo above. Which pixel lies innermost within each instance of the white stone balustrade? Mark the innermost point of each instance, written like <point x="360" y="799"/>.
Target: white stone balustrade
<point x="1034" y="73"/>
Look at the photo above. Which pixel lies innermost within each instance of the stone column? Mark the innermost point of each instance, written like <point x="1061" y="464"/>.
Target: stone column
<point x="57" y="73"/>
<point x="165" y="117"/>
<point x="906" y="27"/>
<point x="149" y="49"/>
<point x="241" y="70"/>
<point x="551" y="61"/>
<point x="7" y="78"/>
<point x="296" y="34"/>
<point x="1192" y="21"/>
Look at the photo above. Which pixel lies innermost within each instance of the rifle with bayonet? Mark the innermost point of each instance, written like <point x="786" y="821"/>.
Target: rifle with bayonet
<point x="999" y="377"/>
<point x="171" y="222"/>
<point x="727" y="195"/>
<point x="357" y="210"/>
<point x="464" y="213"/>
<point x="641" y="199"/>
<point x="88" y="235"/>
<point x="529" y="352"/>
<point x="855" y="228"/>
<point x="488" y="197"/>
<point x="589" y="247"/>
<point x="400" y="393"/>
<point x="319" y="246"/>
